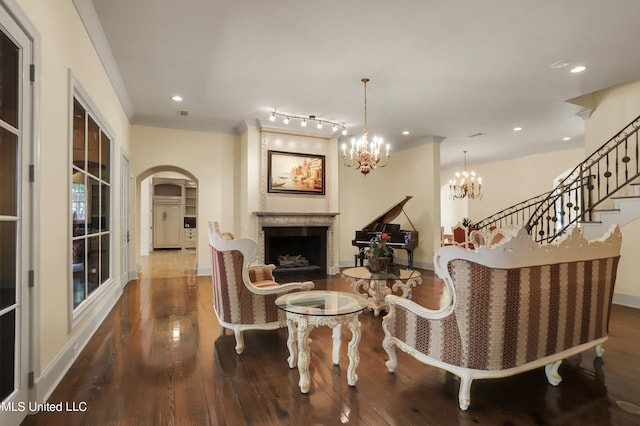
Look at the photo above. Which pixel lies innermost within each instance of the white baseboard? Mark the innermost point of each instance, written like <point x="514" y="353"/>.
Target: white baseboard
<point x="626" y="300"/>
<point x="54" y="372"/>
<point x="203" y="272"/>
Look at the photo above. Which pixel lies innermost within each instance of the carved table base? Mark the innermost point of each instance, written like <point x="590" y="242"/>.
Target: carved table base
<point x="299" y="343"/>
<point x="376" y="290"/>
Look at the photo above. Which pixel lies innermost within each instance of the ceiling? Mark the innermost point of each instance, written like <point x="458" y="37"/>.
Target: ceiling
<point x="451" y="68"/>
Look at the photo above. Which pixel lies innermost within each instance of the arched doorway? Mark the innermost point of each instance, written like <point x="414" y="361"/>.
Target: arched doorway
<point x="167" y="206"/>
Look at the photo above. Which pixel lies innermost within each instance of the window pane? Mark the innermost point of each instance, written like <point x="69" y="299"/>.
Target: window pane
<point x="105" y="192"/>
<point x="93" y="264"/>
<point x="7" y="353"/>
<point x="79" y="205"/>
<point x="93" y="197"/>
<point x="93" y="148"/>
<point x="90" y="205"/>
<point x="8" y="260"/>
<point x="105" y="157"/>
<point x="79" y="270"/>
<point x="9" y="55"/>
<point x="78" y="135"/>
<point x="104" y="259"/>
<point x="8" y="172"/>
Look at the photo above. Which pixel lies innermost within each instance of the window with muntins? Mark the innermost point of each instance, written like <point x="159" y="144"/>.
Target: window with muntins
<point x="91" y="212"/>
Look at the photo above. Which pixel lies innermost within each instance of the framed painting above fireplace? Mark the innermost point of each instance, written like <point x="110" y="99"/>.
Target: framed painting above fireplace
<point x="295" y="173"/>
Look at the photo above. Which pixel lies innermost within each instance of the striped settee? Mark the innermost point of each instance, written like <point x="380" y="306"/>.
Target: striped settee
<point x="511" y="308"/>
<point x="244" y="295"/>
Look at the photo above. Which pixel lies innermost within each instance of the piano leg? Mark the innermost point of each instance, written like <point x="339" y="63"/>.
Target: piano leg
<point x="361" y="256"/>
<point x="410" y="260"/>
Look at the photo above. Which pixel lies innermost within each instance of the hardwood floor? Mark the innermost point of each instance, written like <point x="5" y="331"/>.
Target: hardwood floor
<point x="159" y="359"/>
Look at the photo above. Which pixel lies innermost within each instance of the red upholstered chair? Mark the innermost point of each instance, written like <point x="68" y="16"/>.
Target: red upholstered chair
<point x="243" y="295"/>
<point x="461" y="236"/>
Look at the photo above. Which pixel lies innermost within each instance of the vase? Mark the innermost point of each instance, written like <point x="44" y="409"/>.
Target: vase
<point x="378" y="264"/>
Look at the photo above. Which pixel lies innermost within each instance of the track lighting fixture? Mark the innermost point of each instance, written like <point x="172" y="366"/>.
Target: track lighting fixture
<point x="320" y="122"/>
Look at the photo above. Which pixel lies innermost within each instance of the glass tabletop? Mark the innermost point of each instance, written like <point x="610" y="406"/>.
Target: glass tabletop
<point x="393" y="273"/>
<point x="321" y="303"/>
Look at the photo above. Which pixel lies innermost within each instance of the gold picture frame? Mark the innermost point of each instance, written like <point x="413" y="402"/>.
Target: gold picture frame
<point x="295" y="173"/>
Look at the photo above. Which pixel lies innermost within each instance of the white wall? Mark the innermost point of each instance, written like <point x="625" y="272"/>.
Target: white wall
<point x="506" y="183"/>
<point x="66" y="46"/>
<point x="412" y="172"/>
<point x="298" y="143"/>
<point x="209" y="157"/>
<point x="145" y="216"/>
<point x="614" y="109"/>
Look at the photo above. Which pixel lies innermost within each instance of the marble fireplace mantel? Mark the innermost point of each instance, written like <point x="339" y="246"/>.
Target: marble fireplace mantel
<point x="282" y="219"/>
<point x="295" y="219"/>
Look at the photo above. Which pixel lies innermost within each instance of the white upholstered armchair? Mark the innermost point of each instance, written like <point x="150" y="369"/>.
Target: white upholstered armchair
<point x="243" y="295"/>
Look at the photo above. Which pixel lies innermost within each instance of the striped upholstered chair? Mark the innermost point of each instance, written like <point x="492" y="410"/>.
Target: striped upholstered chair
<point x="514" y="307"/>
<point x="243" y="295"/>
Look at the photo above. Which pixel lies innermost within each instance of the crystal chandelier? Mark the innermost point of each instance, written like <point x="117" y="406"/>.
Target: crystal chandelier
<point x="365" y="155"/>
<point x="466" y="184"/>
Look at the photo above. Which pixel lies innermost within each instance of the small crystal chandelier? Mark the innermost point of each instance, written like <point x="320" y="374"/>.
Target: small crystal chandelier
<point x="363" y="155"/>
<point x="466" y="184"/>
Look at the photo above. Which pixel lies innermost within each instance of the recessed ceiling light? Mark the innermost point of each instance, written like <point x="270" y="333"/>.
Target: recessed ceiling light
<point x="578" y="69"/>
<point x="406" y="132"/>
<point x="517" y="129"/>
<point x="177" y="98"/>
<point x="566" y="138"/>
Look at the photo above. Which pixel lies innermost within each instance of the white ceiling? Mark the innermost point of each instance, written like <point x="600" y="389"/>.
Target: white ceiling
<point x="438" y="68"/>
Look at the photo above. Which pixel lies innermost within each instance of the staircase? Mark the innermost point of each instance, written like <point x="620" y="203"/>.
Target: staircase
<point x="626" y="208"/>
<point x="602" y="190"/>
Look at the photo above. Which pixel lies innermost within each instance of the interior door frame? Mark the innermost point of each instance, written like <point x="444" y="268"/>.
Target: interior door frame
<point x="125" y="214"/>
<point x="16" y="24"/>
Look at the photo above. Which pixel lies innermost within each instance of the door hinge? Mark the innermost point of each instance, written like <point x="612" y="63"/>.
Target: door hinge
<point x="31" y="278"/>
<point x="32" y="72"/>
<point x="32" y="173"/>
<point x="30" y="379"/>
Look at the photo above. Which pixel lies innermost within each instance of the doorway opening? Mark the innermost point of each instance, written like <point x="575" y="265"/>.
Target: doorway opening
<point x="168" y="218"/>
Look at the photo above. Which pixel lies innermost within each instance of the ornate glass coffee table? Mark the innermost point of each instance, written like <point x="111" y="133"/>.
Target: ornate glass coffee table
<point x="375" y="285"/>
<point x="308" y="309"/>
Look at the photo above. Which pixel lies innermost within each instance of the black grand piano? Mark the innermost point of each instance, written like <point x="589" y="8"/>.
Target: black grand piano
<point x="399" y="239"/>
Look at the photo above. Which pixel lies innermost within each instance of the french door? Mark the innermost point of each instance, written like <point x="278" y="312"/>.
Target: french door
<point x="124" y="220"/>
<point x="15" y="216"/>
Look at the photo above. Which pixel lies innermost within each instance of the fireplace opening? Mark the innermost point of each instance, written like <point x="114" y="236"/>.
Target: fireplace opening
<point x="299" y="252"/>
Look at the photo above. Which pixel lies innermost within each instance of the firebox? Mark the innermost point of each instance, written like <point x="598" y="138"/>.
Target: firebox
<point x="299" y="252"/>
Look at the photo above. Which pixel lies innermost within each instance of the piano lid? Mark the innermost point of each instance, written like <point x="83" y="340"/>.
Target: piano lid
<point x="388" y="215"/>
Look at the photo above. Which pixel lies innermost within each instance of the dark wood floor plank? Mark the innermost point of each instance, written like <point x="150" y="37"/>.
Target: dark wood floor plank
<point x="159" y="358"/>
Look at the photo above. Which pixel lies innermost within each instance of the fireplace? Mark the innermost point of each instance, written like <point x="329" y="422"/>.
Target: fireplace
<point x="310" y="235"/>
<point x="284" y="244"/>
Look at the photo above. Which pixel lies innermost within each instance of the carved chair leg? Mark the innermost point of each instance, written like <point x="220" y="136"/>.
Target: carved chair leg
<point x="464" y="394"/>
<point x="551" y="370"/>
<point x="239" y="341"/>
<point x="389" y="346"/>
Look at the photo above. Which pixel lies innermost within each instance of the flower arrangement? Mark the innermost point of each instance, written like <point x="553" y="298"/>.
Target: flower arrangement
<point x="467" y="223"/>
<point x="378" y="246"/>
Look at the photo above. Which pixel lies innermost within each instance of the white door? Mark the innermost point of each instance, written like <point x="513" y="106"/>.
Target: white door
<point x="15" y="218"/>
<point x="124" y="220"/>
